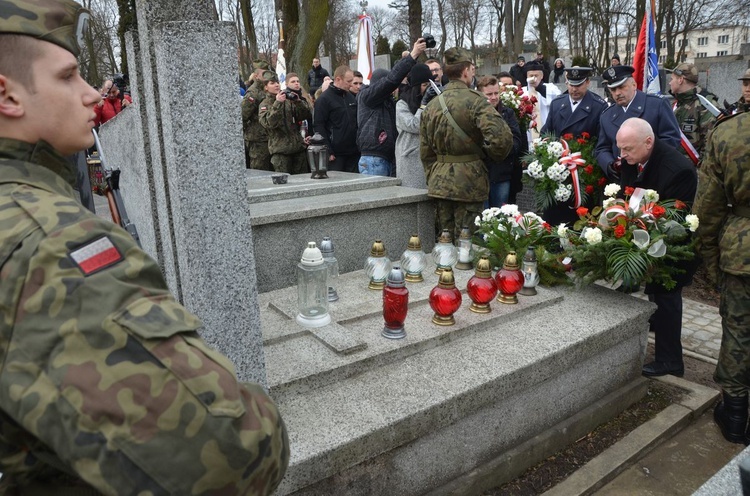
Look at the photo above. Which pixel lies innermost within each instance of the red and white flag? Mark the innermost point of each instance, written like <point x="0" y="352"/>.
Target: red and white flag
<point x="365" y="49"/>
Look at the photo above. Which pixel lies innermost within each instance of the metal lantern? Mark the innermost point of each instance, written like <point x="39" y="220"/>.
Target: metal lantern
<point x="414" y="260"/>
<point x="509" y="280"/>
<point x="312" y="288"/>
<point x="326" y="248"/>
<point x="465" y="251"/>
<point x="444" y="253"/>
<point x="395" y="305"/>
<point x="530" y="270"/>
<point x="317" y="157"/>
<point x="377" y="266"/>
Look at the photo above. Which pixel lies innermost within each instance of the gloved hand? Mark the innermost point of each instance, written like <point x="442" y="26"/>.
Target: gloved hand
<point x="613" y="170"/>
<point x="428" y="95"/>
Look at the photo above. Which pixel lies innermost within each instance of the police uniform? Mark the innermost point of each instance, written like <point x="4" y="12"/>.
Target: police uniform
<point x="256" y="136"/>
<point x="282" y="122"/>
<point x="105" y="385"/>
<point x="654" y="110"/>
<point x="723" y="207"/>
<point x="452" y="153"/>
<point x="693" y="117"/>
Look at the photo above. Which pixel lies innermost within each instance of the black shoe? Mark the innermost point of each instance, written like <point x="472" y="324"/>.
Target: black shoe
<point x="731" y="416"/>
<point x="656" y="369"/>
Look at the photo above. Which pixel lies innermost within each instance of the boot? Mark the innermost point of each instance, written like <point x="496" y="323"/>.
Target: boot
<point x="731" y="417"/>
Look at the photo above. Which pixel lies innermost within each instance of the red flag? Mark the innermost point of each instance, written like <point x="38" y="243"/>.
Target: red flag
<point x="639" y="58"/>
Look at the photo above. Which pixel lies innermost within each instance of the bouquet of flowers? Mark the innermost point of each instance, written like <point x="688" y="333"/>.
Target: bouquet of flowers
<point x="634" y="240"/>
<point x="505" y="229"/>
<point x="523" y="105"/>
<point x="564" y="169"/>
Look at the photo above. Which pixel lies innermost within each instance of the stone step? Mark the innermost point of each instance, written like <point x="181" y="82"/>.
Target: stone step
<point x="418" y="412"/>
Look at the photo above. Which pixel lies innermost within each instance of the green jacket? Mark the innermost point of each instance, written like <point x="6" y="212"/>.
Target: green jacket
<point x="251" y="127"/>
<point x="104" y="380"/>
<point x="282" y="122"/>
<point x="724" y="179"/>
<point x="454" y="167"/>
<point x="694" y="119"/>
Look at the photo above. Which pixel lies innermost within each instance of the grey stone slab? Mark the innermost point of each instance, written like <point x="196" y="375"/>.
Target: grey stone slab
<point x="261" y="188"/>
<point x="338" y="338"/>
<point x="726" y="482"/>
<point x="722" y="79"/>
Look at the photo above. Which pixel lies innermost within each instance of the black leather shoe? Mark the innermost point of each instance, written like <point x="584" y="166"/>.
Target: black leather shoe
<point x="656" y="369"/>
<point x="731" y="416"/>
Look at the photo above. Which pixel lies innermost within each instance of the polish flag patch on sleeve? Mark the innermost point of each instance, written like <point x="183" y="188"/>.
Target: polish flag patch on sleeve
<point x="96" y="255"/>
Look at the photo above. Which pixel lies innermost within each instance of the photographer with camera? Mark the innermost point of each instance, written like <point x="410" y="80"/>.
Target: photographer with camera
<point x="376" y="115"/>
<point x="111" y="104"/>
<point x="281" y="114"/>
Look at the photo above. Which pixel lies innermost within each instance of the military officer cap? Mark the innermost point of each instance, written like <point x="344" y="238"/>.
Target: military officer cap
<point x="270" y="76"/>
<point x="745" y="77"/>
<point x="261" y="64"/>
<point x="576" y="76"/>
<point x="456" y="55"/>
<point x="615" y="76"/>
<point x="688" y="71"/>
<point x="61" y="22"/>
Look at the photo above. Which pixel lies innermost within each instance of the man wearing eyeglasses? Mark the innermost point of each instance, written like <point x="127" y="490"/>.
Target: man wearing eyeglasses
<point x="111" y="103"/>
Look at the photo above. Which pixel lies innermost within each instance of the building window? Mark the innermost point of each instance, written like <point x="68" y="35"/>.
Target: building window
<point x="684" y="43"/>
<point x="662" y="59"/>
<point x="701" y="55"/>
<point x="663" y="45"/>
<point x="721" y="53"/>
<point x="703" y="41"/>
<point x="683" y="58"/>
<point x="723" y="39"/>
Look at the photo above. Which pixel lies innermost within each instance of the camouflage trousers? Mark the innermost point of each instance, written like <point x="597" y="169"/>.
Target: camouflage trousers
<point x="291" y="164"/>
<point x="453" y="215"/>
<point x="733" y="370"/>
<point x="260" y="157"/>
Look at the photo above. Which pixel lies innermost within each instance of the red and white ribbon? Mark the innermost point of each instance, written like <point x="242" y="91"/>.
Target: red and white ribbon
<point x="571" y="161"/>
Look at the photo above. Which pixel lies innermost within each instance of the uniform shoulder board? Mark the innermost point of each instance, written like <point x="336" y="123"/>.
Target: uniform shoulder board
<point x="597" y="98"/>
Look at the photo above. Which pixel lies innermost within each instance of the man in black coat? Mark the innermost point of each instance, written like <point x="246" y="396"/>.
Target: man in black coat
<point x="335" y="119"/>
<point x="650" y="163"/>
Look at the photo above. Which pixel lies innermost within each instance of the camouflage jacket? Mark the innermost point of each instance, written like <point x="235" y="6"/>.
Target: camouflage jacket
<point x="739" y="106"/>
<point x="454" y="167"/>
<point x="724" y="179"/>
<point x="281" y="120"/>
<point x="250" y="104"/>
<point x="104" y="381"/>
<point x="694" y="119"/>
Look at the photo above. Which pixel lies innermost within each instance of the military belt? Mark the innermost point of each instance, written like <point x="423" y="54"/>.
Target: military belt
<point x="741" y="211"/>
<point x="458" y="159"/>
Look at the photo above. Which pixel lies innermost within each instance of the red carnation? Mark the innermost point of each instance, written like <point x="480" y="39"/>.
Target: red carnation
<point x="589" y="169"/>
<point x="658" y="211"/>
<point x="619" y="231"/>
<point x="589" y="189"/>
<point x="547" y="226"/>
<point x="585" y="135"/>
<point x="581" y="141"/>
<point x="582" y="211"/>
<point x="629" y="190"/>
<point x="602" y="181"/>
<point x="567" y="136"/>
<point x="679" y="205"/>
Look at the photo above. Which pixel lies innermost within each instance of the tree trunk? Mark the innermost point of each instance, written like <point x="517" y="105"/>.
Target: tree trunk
<point x="128" y="22"/>
<point x="310" y="27"/>
<point x="249" y="25"/>
<point x="415" y="21"/>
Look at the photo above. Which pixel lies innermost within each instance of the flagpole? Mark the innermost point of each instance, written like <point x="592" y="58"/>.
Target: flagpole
<point x="280" y="59"/>
<point x="365" y="51"/>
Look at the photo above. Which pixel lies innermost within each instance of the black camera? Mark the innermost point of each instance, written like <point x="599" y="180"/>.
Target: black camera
<point x="429" y="40"/>
<point x="291" y="95"/>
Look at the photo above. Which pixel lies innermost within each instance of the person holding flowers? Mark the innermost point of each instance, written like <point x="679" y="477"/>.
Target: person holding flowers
<point x="649" y="163"/>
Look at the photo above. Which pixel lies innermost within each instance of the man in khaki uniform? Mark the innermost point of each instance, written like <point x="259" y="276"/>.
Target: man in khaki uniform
<point x="459" y="129"/>
<point x="256" y="136"/>
<point x="105" y="385"/>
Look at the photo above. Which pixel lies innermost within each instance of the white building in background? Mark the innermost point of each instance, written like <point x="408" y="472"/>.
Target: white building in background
<point x="718" y="41"/>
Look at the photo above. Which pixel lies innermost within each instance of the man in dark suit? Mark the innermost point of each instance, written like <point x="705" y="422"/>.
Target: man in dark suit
<point x="578" y="110"/>
<point x="650" y="163"/>
<point x="631" y="102"/>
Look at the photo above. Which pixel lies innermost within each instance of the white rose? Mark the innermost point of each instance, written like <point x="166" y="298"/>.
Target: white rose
<point x="509" y="209"/>
<point x="692" y="221"/>
<point x="562" y="230"/>
<point x="611" y="189"/>
<point x="593" y="235"/>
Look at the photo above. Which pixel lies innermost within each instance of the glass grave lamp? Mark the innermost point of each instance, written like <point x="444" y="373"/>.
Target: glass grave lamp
<point x="317" y="157"/>
<point x="530" y="270"/>
<point x="312" y="288"/>
<point x="465" y="251"/>
<point x="445" y="299"/>
<point x="414" y="260"/>
<point x="326" y="248"/>
<point x="377" y="266"/>
<point x="444" y="253"/>
<point x="509" y="280"/>
<point x="482" y="288"/>
<point x="395" y="304"/>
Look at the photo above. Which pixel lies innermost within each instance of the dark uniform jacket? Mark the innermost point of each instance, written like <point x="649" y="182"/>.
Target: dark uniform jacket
<point x="253" y="131"/>
<point x="656" y="111"/>
<point x="335" y="118"/>
<point x="501" y="171"/>
<point x="562" y="120"/>
<point x="282" y="121"/>
<point x="104" y="380"/>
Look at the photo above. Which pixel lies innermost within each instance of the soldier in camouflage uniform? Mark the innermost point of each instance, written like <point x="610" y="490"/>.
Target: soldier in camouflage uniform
<point x="694" y="119"/>
<point x="723" y="207"/>
<point x="256" y="136"/>
<point x="743" y="104"/>
<point x="454" y="144"/>
<point x="105" y="385"/>
<point x="281" y="116"/>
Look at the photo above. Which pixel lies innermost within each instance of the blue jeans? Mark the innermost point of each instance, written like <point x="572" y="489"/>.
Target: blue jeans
<point x="499" y="193"/>
<point x="374" y="166"/>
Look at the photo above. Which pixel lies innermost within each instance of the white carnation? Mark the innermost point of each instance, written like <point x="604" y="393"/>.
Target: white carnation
<point x="555" y="149"/>
<point x="509" y="209"/>
<point x="562" y="230"/>
<point x="651" y="195"/>
<point x="692" y="221"/>
<point x="593" y="235"/>
<point x="609" y="202"/>
<point x="611" y="189"/>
